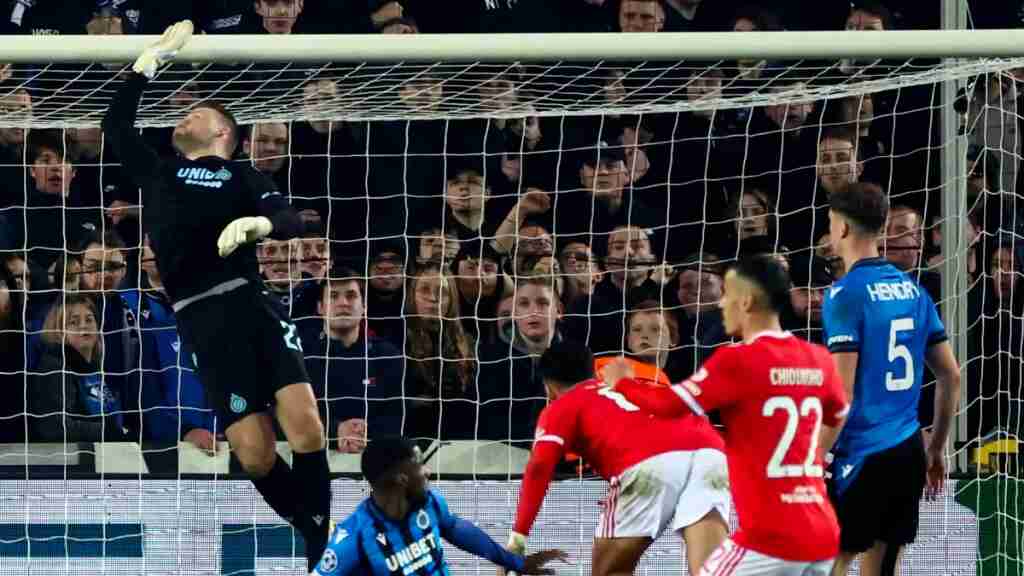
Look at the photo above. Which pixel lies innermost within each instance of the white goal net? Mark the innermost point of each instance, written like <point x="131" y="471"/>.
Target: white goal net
<point x="486" y="208"/>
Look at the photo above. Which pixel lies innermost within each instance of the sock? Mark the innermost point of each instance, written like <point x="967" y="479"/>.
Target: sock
<point x="313" y="484"/>
<point x="277" y="489"/>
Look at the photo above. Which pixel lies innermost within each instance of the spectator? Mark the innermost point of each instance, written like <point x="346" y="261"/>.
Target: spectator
<point x="481" y="285"/>
<point x="698" y="290"/>
<point x="65" y="274"/>
<point x="70" y="401"/>
<point x="582" y="272"/>
<point x="281" y="268"/>
<point x="437" y="245"/>
<point x="356" y="377"/>
<point x="315" y="255"/>
<point x="266" y="145"/>
<point x="385" y="291"/>
<point x="903" y="246"/>
<point x="810" y="277"/>
<point x="691" y="16"/>
<point x="650" y="336"/>
<point x="753" y="214"/>
<point x="467" y="199"/>
<point x="824" y="250"/>
<point x="603" y="203"/>
<point x="54" y="217"/>
<point x="13" y="362"/>
<point x="753" y="19"/>
<point x="599" y="321"/>
<point x="173" y="400"/>
<point x="642" y="15"/>
<point x="532" y="242"/>
<point x="548" y="267"/>
<point x="511" y="386"/>
<point x="837" y="166"/>
<point x="441" y="364"/>
<point x="278" y="16"/>
<point x="15" y="105"/>
<point x="869" y="15"/>
<point x="995" y="380"/>
<point x="98" y="178"/>
<point x="992" y="124"/>
<point x="765" y="246"/>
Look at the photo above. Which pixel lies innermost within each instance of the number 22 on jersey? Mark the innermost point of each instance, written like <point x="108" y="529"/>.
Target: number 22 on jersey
<point x="810" y="407"/>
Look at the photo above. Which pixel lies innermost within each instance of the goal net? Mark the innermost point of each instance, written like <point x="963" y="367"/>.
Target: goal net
<point x="481" y="208"/>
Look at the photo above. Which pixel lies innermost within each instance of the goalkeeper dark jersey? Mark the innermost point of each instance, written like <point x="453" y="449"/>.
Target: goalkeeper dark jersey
<point x="187" y="203"/>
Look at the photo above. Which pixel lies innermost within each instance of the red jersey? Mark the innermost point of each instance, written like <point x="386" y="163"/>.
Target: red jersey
<point x="609" y="432"/>
<point x="773" y="393"/>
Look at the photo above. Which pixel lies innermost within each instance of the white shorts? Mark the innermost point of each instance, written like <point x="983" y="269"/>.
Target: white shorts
<point x="731" y="559"/>
<point x="672" y="489"/>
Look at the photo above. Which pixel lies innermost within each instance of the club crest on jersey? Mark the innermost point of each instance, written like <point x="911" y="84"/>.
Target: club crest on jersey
<point x="329" y="562"/>
<point x="204" y="177"/>
<point x="238" y="404"/>
<point x="422" y="520"/>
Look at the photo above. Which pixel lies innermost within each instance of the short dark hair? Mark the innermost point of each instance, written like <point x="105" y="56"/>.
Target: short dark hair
<point x="567" y="362"/>
<point x="875" y="8"/>
<point x="50" y="139"/>
<point x="383" y="455"/>
<point x="342" y="275"/>
<point x="839" y="133"/>
<point x="864" y="204"/>
<point x="108" y="240"/>
<point x="770" y="278"/>
<point x="233" y="130"/>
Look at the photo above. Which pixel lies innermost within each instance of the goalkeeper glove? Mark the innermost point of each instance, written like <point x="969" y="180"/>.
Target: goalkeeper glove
<point x="243" y="231"/>
<point x="163" y="50"/>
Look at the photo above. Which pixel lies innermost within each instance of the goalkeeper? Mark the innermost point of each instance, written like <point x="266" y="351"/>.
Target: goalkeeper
<point x="204" y="214"/>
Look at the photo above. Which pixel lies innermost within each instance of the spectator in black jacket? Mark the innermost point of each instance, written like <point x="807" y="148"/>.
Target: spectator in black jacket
<point x="511" y="383"/>
<point x="54" y="218"/>
<point x="356" y="377"/>
<point x="13" y="376"/>
<point x="69" y="399"/>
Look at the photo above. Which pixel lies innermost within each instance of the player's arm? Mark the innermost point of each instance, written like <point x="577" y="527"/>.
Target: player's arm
<point x="470" y="538"/>
<point x="835" y="402"/>
<point x="555" y="429"/>
<point x="842" y="316"/>
<point x="943" y="364"/>
<point x="846" y="372"/>
<point x="140" y="161"/>
<point x="715" y="385"/>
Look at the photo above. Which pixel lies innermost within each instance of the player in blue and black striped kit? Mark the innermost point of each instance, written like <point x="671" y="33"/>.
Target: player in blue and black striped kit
<point x="882" y="328"/>
<point x="398" y="529"/>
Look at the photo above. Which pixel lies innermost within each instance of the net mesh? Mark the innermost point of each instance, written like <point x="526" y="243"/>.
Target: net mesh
<point x="591" y="177"/>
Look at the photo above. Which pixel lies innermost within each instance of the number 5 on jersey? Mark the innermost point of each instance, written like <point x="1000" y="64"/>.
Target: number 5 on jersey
<point x="810" y="407"/>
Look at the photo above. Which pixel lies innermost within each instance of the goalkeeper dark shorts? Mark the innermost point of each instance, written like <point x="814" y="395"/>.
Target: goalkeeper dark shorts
<point x="883" y="501"/>
<point x="245" y="350"/>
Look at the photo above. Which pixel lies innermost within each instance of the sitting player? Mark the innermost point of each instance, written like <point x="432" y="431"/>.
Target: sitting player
<point x="398" y="529"/>
<point x="774" y="392"/>
<point x="663" y="473"/>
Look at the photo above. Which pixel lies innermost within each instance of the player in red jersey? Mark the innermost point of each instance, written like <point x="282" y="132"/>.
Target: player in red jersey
<point x="662" y="472"/>
<point x="775" y="393"/>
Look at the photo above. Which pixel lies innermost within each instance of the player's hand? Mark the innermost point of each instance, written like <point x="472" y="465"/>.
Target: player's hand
<point x="535" y="201"/>
<point x="243" y="231"/>
<point x="936" y="472"/>
<point x="536" y="562"/>
<point x="616" y="370"/>
<point x="163" y="50"/>
<point x="352" y="436"/>
<point x="202" y="439"/>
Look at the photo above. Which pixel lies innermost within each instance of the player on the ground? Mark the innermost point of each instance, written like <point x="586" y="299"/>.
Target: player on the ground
<point x="882" y="328"/>
<point x="203" y="214"/>
<point x="398" y="529"/>
<point x="774" y="392"/>
<point x="662" y="473"/>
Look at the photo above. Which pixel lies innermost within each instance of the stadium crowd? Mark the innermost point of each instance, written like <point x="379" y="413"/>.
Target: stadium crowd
<point x="450" y="254"/>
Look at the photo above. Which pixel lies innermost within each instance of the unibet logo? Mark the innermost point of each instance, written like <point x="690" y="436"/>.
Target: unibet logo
<point x="204" y="177"/>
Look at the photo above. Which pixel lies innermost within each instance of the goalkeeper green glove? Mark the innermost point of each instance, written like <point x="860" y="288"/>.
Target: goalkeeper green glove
<point x="163" y="50"/>
<point x="243" y="231"/>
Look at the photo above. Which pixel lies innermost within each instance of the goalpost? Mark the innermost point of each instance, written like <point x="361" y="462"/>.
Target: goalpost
<point x="76" y="507"/>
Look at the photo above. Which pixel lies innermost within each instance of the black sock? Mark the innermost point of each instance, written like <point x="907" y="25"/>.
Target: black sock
<point x="278" y="490"/>
<point x="313" y="485"/>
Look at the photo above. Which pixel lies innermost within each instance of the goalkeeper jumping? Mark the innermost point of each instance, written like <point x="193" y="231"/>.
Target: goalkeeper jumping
<point x="203" y="215"/>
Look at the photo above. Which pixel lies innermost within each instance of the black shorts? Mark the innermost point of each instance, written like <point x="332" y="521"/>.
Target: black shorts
<point x="246" y="349"/>
<point x="883" y="501"/>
